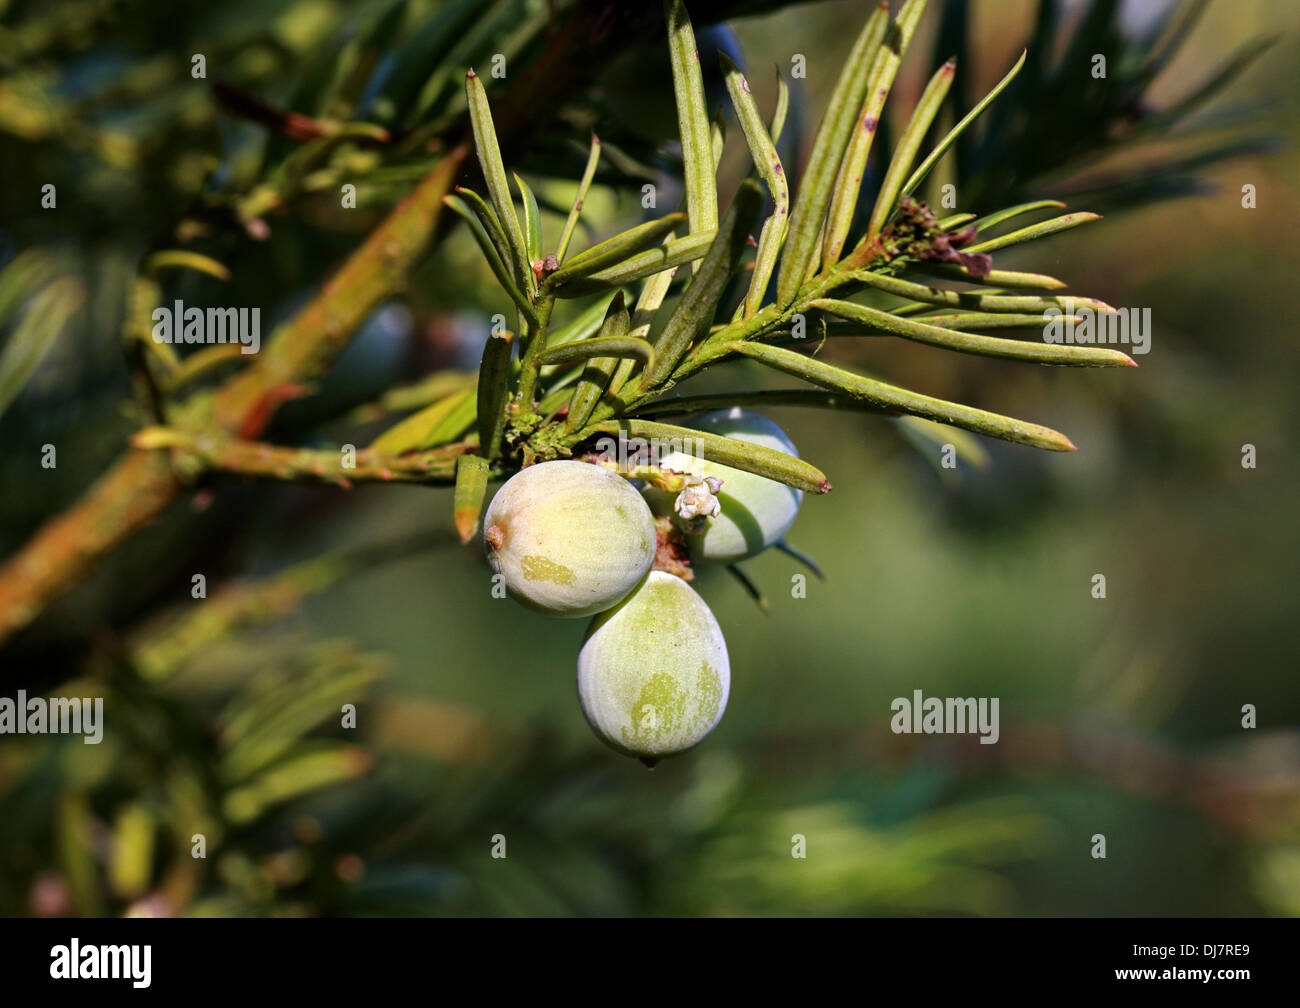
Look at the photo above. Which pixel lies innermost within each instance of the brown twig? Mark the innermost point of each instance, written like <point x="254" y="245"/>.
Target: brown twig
<point x="304" y="347"/>
<point x="342" y="466"/>
<point x="63" y="550"/>
<point x="294" y="125"/>
<point x="142" y="483"/>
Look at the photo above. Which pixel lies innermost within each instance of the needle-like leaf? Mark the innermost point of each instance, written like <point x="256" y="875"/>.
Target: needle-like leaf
<point x="494" y="174"/>
<point x="417" y="430"/>
<point x="801" y="557"/>
<point x="931" y="159"/>
<point x="460" y="418"/>
<point x="594" y="348"/>
<point x="993" y="219"/>
<point x="983" y="346"/>
<point x="1213" y="84"/>
<point x="584" y="325"/>
<point x="647" y="307"/>
<point x="184" y="259"/>
<point x="978" y="300"/>
<point x="615" y="250"/>
<point x="532" y="221"/>
<point x="750" y="588"/>
<point x="717" y="139"/>
<point x="694" y="312"/>
<point x="1034" y="231"/>
<point x="818" y="179"/>
<point x="753" y="458"/>
<point x="692" y="121"/>
<point x="467" y="498"/>
<point x="965" y="321"/>
<point x="595" y="378"/>
<point x="814" y="398"/>
<point x="572" y="220"/>
<point x="928" y="436"/>
<point x="968" y="321"/>
<point x="777" y="126"/>
<point x="1172" y="37"/>
<point x="672" y="253"/>
<point x="908" y="144"/>
<point x="848" y="181"/>
<point x="762" y="149"/>
<point x="488" y="218"/>
<point x="891" y="397"/>
<point x="42" y="323"/>
<point x="493" y="392"/>
<point x="493" y="260"/>
<point x="558" y="392"/>
<point x="994" y="278"/>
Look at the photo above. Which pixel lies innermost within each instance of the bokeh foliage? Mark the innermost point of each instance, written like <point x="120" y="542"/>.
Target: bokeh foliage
<point x="221" y="711"/>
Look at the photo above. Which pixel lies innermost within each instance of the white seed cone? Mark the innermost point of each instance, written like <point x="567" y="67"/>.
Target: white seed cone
<point x="570" y="538"/>
<point x="653" y="673"/>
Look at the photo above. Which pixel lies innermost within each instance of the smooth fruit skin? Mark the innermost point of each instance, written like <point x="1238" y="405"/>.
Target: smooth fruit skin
<point x="756" y="511"/>
<point x="570" y="538"/>
<point x="653" y="673"/>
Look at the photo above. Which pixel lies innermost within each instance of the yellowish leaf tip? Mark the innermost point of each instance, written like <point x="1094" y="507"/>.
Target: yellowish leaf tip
<point x="466" y="520"/>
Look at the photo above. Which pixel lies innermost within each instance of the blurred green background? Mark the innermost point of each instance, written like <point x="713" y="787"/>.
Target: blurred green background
<point x="1119" y="716"/>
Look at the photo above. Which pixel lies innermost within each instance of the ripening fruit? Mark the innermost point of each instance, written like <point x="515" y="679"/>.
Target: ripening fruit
<point x="653" y="674"/>
<point x="756" y="511"/>
<point x="570" y="538"/>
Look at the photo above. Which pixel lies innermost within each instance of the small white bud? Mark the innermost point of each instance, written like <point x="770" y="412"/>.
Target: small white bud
<point x="698" y="498"/>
